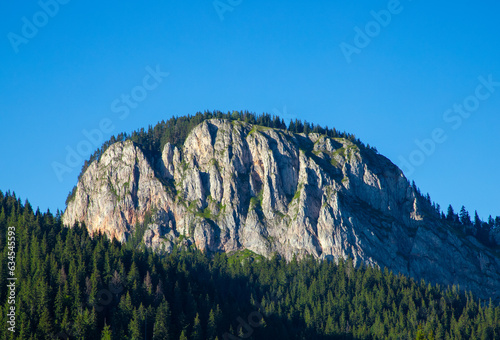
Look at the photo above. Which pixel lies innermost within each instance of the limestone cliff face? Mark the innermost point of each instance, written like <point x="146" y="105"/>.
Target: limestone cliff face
<point x="236" y="186"/>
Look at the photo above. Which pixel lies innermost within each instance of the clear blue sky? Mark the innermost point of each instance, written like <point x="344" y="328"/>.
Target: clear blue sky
<point x="291" y="57"/>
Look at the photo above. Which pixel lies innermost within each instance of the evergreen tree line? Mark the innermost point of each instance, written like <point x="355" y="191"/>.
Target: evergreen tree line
<point x="488" y="233"/>
<point x="72" y="286"/>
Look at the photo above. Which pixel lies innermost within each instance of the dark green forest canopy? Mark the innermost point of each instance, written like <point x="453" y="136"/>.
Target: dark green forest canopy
<point x="70" y="285"/>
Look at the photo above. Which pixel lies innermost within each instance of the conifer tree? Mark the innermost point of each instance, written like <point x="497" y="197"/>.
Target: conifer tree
<point x="162" y="322"/>
<point x="135" y="326"/>
<point x="196" y="334"/>
<point x="465" y="217"/>
<point x="211" y="326"/>
<point x="183" y="336"/>
<point x="106" y="332"/>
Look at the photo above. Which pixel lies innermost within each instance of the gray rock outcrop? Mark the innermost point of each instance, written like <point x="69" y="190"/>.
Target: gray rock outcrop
<point x="235" y="186"/>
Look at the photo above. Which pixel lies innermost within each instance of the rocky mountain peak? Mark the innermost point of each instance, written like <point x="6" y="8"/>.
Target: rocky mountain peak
<point x="235" y="186"/>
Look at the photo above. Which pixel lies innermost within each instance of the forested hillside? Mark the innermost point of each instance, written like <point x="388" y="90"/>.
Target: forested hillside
<point x="72" y="286"/>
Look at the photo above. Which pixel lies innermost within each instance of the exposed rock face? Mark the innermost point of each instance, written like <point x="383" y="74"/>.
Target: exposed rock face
<point x="115" y="193"/>
<point x="236" y="186"/>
